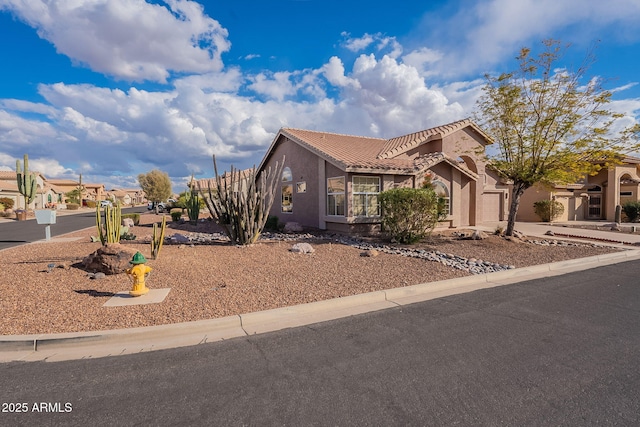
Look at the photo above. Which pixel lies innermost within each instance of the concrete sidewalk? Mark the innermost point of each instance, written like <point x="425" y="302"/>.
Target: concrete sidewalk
<point x="572" y="232"/>
<point x="86" y="345"/>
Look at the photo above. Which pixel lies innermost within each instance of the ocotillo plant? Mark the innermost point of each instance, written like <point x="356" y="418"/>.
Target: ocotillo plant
<point x="26" y="182"/>
<point x="193" y="203"/>
<point x="110" y="231"/>
<point x="158" y="238"/>
<point x="241" y="202"/>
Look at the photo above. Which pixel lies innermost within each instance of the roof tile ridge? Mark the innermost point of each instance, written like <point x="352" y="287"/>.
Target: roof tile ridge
<point x="337" y="133"/>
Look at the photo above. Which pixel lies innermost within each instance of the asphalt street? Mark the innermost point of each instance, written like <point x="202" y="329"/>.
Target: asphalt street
<point x="14" y="233"/>
<point x="563" y="350"/>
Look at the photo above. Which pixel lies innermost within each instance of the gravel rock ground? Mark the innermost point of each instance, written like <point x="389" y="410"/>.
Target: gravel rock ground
<point x="43" y="290"/>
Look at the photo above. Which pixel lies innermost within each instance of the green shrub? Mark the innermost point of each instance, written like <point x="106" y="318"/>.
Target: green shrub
<point x="176" y="214"/>
<point x="548" y="210"/>
<point x="7" y="202"/>
<point x="73" y="206"/>
<point x="272" y="223"/>
<point x="134" y="216"/>
<point x="409" y="214"/>
<point x="631" y="210"/>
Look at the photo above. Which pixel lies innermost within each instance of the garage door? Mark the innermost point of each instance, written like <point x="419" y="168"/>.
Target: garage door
<point x="492" y="203"/>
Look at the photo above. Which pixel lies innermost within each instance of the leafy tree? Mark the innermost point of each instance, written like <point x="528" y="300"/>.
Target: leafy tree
<point x="409" y="214"/>
<point x="549" y="124"/>
<point x="156" y="185"/>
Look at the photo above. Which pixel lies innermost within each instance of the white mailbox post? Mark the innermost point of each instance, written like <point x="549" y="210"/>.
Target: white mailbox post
<point x="46" y="216"/>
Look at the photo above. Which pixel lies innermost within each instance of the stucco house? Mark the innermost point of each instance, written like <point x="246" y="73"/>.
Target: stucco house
<point x="45" y="193"/>
<point x="331" y="181"/>
<point x="593" y="198"/>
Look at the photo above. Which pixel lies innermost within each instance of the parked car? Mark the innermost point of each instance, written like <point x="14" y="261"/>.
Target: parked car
<point x="105" y="203"/>
<point x="160" y="205"/>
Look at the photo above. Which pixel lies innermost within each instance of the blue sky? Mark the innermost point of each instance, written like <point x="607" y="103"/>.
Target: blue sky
<point x="114" y="88"/>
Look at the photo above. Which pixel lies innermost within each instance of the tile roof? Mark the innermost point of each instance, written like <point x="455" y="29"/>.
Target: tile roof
<point x="361" y="154"/>
<point x="401" y="144"/>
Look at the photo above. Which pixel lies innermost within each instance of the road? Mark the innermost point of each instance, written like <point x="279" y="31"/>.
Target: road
<point x="14" y="233"/>
<point x="556" y="351"/>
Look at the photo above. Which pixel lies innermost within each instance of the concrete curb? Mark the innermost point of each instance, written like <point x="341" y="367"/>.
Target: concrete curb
<point x="67" y="346"/>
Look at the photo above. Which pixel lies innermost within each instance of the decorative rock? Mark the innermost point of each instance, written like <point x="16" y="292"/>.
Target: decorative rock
<point x="615" y="227"/>
<point x="370" y="253"/>
<point x="112" y="258"/>
<point x="549" y="233"/>
<point x="98" y="276"/>
<point x="177" y="239"/>
<point x="292" y="227"/>
<point x="127" y="222"/>
<point x="478" y="235"/>
<point x="303" y="248"/>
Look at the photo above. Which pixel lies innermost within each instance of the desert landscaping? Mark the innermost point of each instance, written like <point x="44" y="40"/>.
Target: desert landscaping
<point x="45" y="289"/>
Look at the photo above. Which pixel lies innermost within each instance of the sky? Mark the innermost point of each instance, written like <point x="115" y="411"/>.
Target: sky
<point x="113" y="88"/>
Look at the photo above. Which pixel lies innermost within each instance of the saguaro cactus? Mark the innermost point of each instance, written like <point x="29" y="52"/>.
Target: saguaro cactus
<point x="241" y="202"/>
<point x="27" y="183"/>
<point x="193" y="203"/>
<point x="110" y="232"/>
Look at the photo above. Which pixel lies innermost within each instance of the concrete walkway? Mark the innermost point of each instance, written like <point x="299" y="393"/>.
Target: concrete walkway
<point x="70" y="346"/>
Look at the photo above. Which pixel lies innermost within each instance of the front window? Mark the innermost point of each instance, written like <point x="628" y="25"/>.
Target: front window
<point x="365" y="196"/>
<point x="287" y="190"/>
<point x="335" y="196"/>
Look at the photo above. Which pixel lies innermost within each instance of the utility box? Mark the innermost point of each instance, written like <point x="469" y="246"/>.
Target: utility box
<point x="46" y="216"/>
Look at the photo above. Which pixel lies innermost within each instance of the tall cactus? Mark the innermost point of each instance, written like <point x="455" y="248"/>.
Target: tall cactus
<point x="110" y="231"/>
<point x="158" y="238"/>
<point x="242" y="202"/>
<point x="27" y="182"/>
<point x="193" y="203"/>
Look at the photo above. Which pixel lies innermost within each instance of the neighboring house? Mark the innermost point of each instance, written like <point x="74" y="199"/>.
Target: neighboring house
<point x="93" y="192"/>
<point x="126" y="196"/>
<point x="332" y="181"/>
<point x="49" y="192"/>
<point x="9" y="188"/>
<point x="593" y="198"/>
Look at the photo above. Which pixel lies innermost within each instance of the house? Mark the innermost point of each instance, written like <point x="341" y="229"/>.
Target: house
<point x="127" y="196"/>
<point x="331" y="181"/>
<point x="49" y="192"/>
<point x="45" y="194"/>
<point x="593" y="198"/>
<point x="93" y="192"/>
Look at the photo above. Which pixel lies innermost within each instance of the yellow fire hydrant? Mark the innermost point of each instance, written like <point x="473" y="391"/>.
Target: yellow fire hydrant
<point x="138" y="273"/>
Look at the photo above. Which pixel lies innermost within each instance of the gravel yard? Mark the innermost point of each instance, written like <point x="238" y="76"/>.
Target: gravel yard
<point x="217" y="279"/>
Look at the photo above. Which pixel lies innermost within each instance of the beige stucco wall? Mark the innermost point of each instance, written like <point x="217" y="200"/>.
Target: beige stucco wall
<point x="304" y="168"/>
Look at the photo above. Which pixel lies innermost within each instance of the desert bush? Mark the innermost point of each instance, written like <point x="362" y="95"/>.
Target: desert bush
<point x="409" y="214"/>
<point x="73" y="206"/>
<point x="631" y="210"/>
<point x="7" y="202"/>
<point x="272" y="223"/>
<point x="548" y="210"/>
<point x="134" y="216"/>
<point x="91" y="204"/>
<point x="176" y="214"/>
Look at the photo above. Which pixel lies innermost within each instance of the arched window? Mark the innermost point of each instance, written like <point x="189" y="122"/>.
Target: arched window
<point x="443" y="195"/>
<point x="287" y="190"/>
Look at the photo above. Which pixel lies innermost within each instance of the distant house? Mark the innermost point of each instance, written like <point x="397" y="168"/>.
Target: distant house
<point x="45" y="194"/>
<point x="49" y="192"/>
<point x="332" y="181"/>
<point x="126" y="196"/>
<point x="593" y="198"/>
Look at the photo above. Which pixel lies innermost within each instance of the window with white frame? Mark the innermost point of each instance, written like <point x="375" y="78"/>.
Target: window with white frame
<point x="365" y="191"/>
<point x="287" y="190"/>
<point x="443" y="195"/>
<point x="335" y="196"/>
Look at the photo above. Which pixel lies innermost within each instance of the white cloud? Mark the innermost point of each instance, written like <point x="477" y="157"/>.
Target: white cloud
<point x="357" y="44"/>
<point x="129" y="39"/>
<point x="485" y="33"/>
